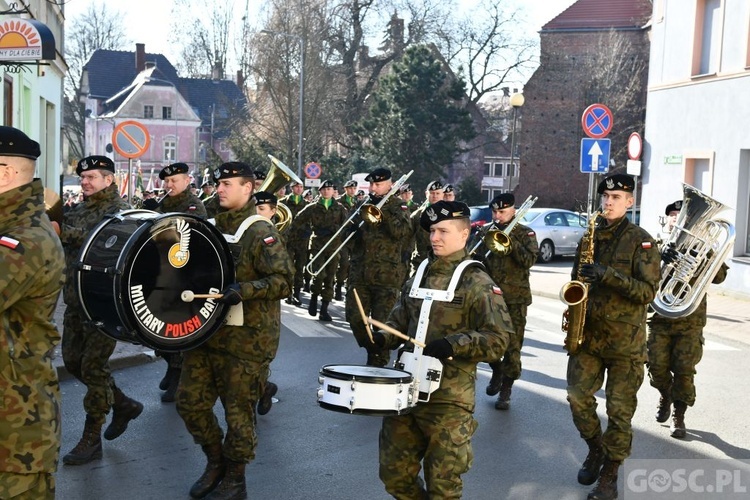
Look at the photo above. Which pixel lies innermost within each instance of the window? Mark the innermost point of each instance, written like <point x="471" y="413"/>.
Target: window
<point x="7" y="102"/>
<point x="166" y="112"/>
<point x="486" y="194"/>
<point x="707" y="37"/>
<point x="498" y="170"/>
<point x="170" y="148"/>
<point x="487" y="169"/>
<point x="512" y="170"/>
<point x="148" y="111"/>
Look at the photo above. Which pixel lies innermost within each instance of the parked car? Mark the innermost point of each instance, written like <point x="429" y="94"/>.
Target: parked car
<point x="558" y="231"/>
<point x="480" y="215"/>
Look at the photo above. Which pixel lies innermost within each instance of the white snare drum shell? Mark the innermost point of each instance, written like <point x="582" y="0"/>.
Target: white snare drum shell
<point x="364" y="390"/>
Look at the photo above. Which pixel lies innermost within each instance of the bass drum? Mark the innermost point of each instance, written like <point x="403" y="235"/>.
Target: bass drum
<point x="133" y="269"/>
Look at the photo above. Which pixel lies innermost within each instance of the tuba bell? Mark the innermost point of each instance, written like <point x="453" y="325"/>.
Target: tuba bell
<point x="279" y="176"/>
<point x="703" y="242"/>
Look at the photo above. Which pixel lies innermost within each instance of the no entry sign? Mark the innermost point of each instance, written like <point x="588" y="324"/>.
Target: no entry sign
<point x="131" y="139"/>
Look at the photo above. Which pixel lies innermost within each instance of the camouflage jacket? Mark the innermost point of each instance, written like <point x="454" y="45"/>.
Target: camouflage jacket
<point x="184" y="203"/>
<point x="616" y="309"/>
<point x="420" y="241"/>
<point x="350" y="203"/>
<point x="211" y="204"/>
<point x="76" y="227"/>
<point x="264" y="272"/>
<point x="31" y="275"/>
<point x="295" y="204"/>
<point x="322" y="221"/>
<point x="511" y="271"/>
<point x="376" y="254"/>
<point x="476" y="323"/>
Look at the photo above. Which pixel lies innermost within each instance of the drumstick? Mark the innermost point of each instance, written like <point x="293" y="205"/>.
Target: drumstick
<point x="362" y="313"/>
<point x="395" y="332"/>
<point x="188" y="296"/>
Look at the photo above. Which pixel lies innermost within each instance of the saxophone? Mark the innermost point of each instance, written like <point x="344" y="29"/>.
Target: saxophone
<point x="575" y="293"/>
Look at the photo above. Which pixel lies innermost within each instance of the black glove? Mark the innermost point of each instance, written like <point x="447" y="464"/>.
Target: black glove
<point x="670" y="255"/>
<point x="592" y="273"/>
<point x="440" y="349"/>
<point x="231" y="295"/>
<point x="378" y="338"/>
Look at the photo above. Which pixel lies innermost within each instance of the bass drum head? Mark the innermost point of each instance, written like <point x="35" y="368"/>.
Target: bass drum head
<point x="173" y="254"/>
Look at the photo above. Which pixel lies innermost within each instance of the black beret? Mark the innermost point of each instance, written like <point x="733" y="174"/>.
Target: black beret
<point x="327" y="184"/>
<point x="405" y="189"/>
<point x="306" y="193"/>
<point x="262" y="197"/>
<point x="673" y="207"/>
<point x="295" y="183"/>
<point x="359" y="193"/>
<point x="208" y="182"/>
<point x="503" y="200"/>
<point x="350" y="184"/>
<point x="95" y="162"/>
<point x="259" y="175"/>
<point x="448" y="188"/>
<point x="379" y="174"/>
<point x="14" y="142"/>
<point x="173" y="169"/>
<point x="435" y="186"/>
<point x="233" y="169"/>
<point x="617" y="182"/>
<point x="443" y="210"/>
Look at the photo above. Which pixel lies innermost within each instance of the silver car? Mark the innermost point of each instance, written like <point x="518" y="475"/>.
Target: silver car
<point x="558" y="231"/>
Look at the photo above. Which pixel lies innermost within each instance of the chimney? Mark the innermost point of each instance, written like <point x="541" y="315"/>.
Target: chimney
<point x="506" y="91"/>
<point x="240" y="80"/>
<point x="140" y="57"/>
<point x="363" y="55"/>
<point x="217" y="73"/>
<point x="397" y="33"/>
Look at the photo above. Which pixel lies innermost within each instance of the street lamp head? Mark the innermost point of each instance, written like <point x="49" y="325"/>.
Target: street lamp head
<point x="517" y="100"/>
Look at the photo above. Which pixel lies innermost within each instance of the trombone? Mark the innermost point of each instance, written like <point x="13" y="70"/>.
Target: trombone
<point x="499" y="241"/>
<point x="370" y="213"/>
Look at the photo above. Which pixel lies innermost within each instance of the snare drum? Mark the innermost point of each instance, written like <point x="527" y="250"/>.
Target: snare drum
<point x="133" y="268"/>
<point x="364" y="390"/>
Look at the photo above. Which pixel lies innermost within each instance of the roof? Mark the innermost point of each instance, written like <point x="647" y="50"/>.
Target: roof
<point x="222" y="97"/>
<point x="109" y="71"/>
<point x="602" y="14"/>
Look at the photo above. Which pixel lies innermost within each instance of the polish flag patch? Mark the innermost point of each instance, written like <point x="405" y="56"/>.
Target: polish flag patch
<point x="532" y="233"/>
<point x="269" y="240"/>
<point x="496" y="290"/>
<point x="9" y="242"/>
<point x="646" y="245"/>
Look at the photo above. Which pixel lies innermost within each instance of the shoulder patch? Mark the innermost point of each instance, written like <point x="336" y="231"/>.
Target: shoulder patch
<point x="646" y="244"/>
<point x="404" y="207"/>
<point x="9" y="242"/>
<point x="192" y="208"/>
<point x="531" y="233"/>
<point x="496" y="290"/>
<point x="269" y="240"/>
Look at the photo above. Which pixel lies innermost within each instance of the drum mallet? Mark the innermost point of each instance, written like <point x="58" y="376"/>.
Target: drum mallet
<point x="395" y="332"/>
<point x="362" y="313"/>
<point x="188" y="296"/>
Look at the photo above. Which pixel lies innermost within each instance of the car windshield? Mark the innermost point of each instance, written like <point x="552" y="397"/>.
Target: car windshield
<point x="530" y="216"/>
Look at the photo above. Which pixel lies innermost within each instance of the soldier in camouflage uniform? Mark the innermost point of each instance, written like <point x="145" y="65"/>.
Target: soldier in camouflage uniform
<point x="420" y="245"/>
<point x="233" y="364"/>
<point x="349" y="202"/>
<point x="376" y="271"/>
<point x="474" y="327"/>
<point x="208" y="189"/>
<point x="32" y="263"/>
<point x="406" y="194"/>
<point x="675" y="347"/>
<point x="449" y="193"/>
<point x="510" y="271"/>
<point x="297" y="242"/>
<point x="180" y="199"/>
<point x="85" y="349"/>
<point x="324" y="218"/>
<point x="623" y="278"/>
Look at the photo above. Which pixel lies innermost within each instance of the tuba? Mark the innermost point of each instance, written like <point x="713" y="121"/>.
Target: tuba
<point x="703" y="242"/>
<point x="575" y="293"/>
<point x="279" y="176"/>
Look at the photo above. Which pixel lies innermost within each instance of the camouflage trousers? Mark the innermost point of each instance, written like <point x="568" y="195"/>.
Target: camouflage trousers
<point x="39" y="486"/>
<point x="208" y="375"/>
<point x="377" y="301"/>
<point x="86" y="352"/>
<point x="342" y="273"/>
<point x="624" y="377"/>
<point x="437" y="436"/>
<point x="672" y="358"/>
<point x="322" y="284"/>
<point x="510" y="364"/>
<point x="299" y="253"/>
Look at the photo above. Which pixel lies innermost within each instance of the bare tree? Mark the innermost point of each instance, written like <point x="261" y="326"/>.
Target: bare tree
<point x="206" y="44"/>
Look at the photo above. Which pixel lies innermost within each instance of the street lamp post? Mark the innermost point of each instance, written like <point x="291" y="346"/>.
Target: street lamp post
<point x="301" y="41"/>
<point x="516" y="100"/>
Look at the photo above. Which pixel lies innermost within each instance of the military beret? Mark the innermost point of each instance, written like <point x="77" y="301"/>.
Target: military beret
<point x="306" y="193"/>
<point x="233" y="169"/>
<point x="435" y="186"/>
<point x="379" y="174"/>
<point x="327" y="184"/>
<point x="359" y="193"/>
<point x="173" y="169"/>
<point x="295" y="183"/>
<point x="405" y="189"/>
<point x="443" y="210"/>
<point x="259" y="175"/>
<point x="208" y="182"/>
<point x="448" y="188"/>
<point x="350" y="184"/>
<point x="95" y="162"/>
<point x="14" y="142"/>
<point x="673" y="207"/>
<point x="503" y="200"/>
<point x="616" y="182"/>
<point x="262" y="197"/>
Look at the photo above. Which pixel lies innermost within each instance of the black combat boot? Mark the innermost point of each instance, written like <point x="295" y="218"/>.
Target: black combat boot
<point x="266" y="400"/>
<point x="377" y="358"/>
<point x="123" y="411"/>
<point x="213" y="474"/>
<point x="324" y="316"/>
<point x="606" y="488"/>
<point x="164" y="384"/>
<point x="90" y="445"/>
<point x="232" y="487"/>
<point x="168" y="396"/>
<point x="677" y="430"/>
<point x="503" y="399"/>
<point x="665" y="406"/>
<point x="497" y="377"/>
<point x="295" y="297"/>
<point x="306" y="287"/>
<point x="337" y="294"/>
<point x="312" y="309"/>
<point x="589" y="471"/>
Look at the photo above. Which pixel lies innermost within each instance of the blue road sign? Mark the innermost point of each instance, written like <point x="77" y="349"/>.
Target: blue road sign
<point x="595" y="156"/>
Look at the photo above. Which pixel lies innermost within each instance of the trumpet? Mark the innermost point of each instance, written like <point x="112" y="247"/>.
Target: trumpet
<point x="499" y="241"/>
<point x="164" y="196"/>
<point x="371" y="214"/>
